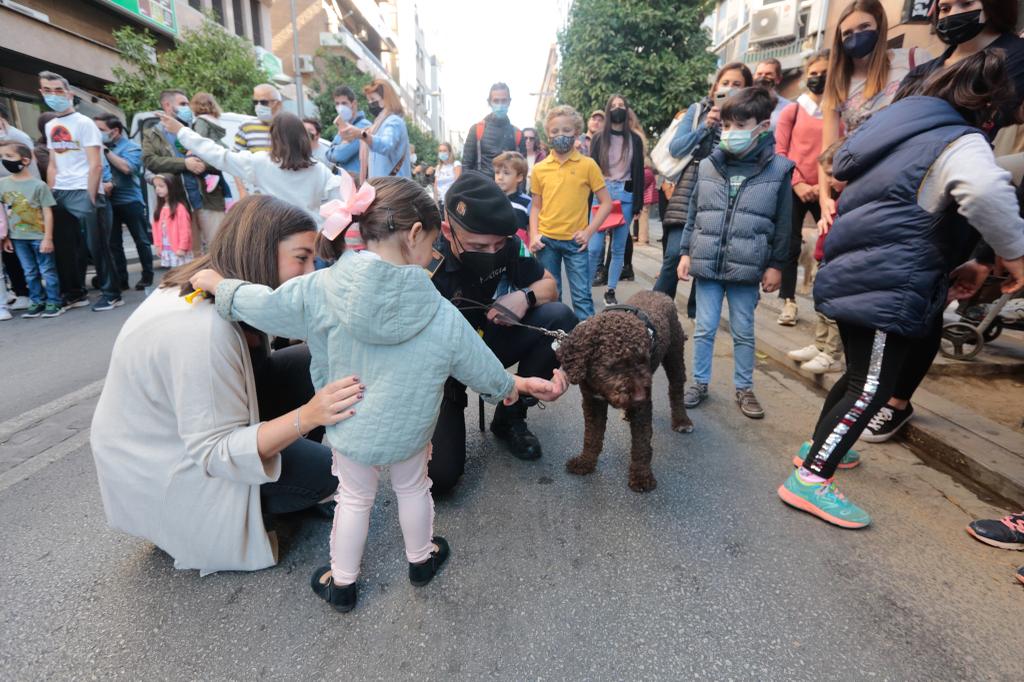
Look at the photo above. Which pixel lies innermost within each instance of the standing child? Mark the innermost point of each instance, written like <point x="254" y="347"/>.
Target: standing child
<point x="736" y="237"/>
<point x="172" y="222"/>
<point x="28" y="203"/>
<point x="561" y="185"/>
<point x="825" y="354"/>
<point x="377" y="314"/>
<point x="509" y="174"/>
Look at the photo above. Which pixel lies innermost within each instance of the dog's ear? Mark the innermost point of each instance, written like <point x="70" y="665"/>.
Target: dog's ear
<point x="573" y="353"/>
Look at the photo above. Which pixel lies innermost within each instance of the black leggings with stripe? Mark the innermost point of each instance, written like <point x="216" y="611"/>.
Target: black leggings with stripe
<point x="874" y="362"/>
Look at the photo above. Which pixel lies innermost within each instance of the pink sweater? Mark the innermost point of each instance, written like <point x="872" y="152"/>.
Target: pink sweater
<point x="798" y="138"/>
<point x="179" y="229"/>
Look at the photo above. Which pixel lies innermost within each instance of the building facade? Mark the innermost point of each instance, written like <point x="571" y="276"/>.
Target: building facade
<point x="383" y="39"/>
<point x="75" y="38"/>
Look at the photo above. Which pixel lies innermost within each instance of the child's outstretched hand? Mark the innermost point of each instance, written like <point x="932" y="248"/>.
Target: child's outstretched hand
<point x="206" y="279"/>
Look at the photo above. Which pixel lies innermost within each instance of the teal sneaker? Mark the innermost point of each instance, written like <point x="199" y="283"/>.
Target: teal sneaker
<point x="824" y="501"/>
<point x="849" y="460"/>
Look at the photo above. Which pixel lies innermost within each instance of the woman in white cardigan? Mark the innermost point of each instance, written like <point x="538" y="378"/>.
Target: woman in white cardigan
<point x="182" y="455"/>
<point x="288" y="171"/>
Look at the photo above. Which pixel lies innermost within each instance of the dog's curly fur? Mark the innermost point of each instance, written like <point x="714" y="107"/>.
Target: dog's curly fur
<point x="611" y="358"/>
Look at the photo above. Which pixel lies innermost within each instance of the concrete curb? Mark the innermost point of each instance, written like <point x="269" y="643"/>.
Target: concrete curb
<point x="987" y="456"/>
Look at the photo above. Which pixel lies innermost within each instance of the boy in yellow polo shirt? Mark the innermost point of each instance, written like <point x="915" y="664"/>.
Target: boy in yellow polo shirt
<point x="560" y="222"/>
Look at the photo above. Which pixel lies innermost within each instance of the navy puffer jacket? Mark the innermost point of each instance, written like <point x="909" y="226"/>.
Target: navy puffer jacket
<point x="886" y="258"/>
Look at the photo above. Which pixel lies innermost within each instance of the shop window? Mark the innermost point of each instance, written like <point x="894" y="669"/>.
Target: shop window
<point x="257" y="29"/>
<point x="236" y="5"/>
<point x="218" y="10"/>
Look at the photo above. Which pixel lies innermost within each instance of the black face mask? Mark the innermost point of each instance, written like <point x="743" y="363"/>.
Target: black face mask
<point x="959" y="28"/>
<point x="766" y="83"/>
<point x="375" y="109"/>
<point x="860" y="44"/>
<point x="13" y="166"/>
<point x="618" y="115"/>
<point x="486" y="266"/>
<point x="816" y="84"/>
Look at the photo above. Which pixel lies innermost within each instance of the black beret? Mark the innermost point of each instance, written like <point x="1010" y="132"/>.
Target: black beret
<point x="477" y="204"/>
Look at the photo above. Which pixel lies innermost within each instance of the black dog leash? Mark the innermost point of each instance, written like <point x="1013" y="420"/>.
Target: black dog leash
<point x="641" y="315"/>
<point x="509" y="317"/>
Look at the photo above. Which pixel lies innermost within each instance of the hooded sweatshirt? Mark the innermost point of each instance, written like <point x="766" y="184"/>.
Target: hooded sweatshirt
<point x="389" y="326"/>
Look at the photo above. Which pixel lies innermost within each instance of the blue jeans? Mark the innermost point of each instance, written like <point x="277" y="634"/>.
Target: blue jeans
<point x="577" y="270"/>
<point x="742" y="301"/>
<point x="619" y="235"/>
<point x="40" y="268"/>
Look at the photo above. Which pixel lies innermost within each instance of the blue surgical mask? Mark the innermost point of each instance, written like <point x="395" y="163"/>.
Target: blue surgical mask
<point x="105" y="137"/>
<point x="264" y="113"/>
<point x="344" y="112"/>
<point x="57" y="102"/>
<point x="443" y="156"/>
<point x="184" y="114"/>
<point x="739" y="142"/>
<point x="500" y="109"/>
<point x="562" y="143"/>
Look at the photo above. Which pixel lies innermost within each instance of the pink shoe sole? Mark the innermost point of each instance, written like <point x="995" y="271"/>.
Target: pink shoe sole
<point x="803" y="505"/>
<point x="851" y="465"/>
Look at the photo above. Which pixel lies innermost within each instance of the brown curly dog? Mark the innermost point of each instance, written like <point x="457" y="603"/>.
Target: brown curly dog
<point x="612" y="357"/>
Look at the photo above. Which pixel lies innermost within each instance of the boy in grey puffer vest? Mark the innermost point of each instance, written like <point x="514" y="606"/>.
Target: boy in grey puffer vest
<point x="736" y="237"/>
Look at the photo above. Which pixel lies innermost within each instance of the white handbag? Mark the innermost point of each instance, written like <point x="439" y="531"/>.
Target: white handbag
<point x="666" y="164"/>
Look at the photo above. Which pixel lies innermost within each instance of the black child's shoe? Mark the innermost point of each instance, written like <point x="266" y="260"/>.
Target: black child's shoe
<point x="422" y="573"/>
<point x="343" y="599"/>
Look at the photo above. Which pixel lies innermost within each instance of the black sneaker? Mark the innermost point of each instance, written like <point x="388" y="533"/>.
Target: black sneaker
<point x="695" y="394"/>
<point x="600" y="277"/>
<point x="342" y="598"/>
<point x="34" y="310"/>
<point x="509" y="425"/>
<point x="609" y="297"/>
<point x="107" y="304"/>
<point x="1006" y="533"/>
<point x="886" y="422"/>
<point x="422" y="573"/>
<point x="80" y="302"/>
<point x="95" y="282"/>
<point x="143" y="283"/>
<point x="627" y="274"/>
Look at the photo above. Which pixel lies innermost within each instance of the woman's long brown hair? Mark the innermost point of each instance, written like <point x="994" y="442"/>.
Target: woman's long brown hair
<point x="290" y="147"/>
<point x="631" y="124"/>
<point x="840" y="65"/>
<point x="979" y="87"/>
<point x="245" y="246"/>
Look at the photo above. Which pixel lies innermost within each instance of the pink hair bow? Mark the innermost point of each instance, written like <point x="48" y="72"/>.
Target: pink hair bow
<point x="338" y="214"/>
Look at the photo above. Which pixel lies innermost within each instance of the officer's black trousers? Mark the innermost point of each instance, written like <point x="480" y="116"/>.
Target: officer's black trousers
<point x="536" y="358"/>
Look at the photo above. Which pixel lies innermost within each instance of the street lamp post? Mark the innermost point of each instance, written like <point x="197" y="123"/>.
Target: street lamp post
<point x="300" y="94"/>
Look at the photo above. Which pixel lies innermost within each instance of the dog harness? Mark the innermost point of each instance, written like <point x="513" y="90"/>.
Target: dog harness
<point x="641" y="315"/>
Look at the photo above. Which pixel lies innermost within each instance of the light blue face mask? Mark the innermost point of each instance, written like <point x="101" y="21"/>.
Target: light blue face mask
<point x="57" y="102"/>
<point x="500" y="109"/>
<point x="264" y="113"/>
<point x="105" y="137"/>
<point x="184" y="114"/>
<point x="344" y="112"/>
<point x="739" y="142"/>
<point x="443" y="156"/>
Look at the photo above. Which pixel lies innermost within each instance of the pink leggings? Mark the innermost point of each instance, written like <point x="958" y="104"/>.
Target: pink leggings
<point x="356" y="492"/>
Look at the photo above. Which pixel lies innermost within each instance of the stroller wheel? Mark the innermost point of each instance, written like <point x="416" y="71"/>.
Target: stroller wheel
<point x="994" y="330"/>
<point x="961" y="341"/>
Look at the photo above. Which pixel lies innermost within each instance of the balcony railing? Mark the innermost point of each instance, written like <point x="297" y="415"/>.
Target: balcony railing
<point x="757" y="54"/>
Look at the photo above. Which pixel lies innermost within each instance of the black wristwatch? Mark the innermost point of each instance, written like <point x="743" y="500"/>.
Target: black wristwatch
<point x="531" y="298"/>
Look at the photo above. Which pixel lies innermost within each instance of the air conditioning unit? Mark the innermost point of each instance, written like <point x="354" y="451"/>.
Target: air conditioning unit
<point x="774" y="21"/>
<point x="306" y="63"/>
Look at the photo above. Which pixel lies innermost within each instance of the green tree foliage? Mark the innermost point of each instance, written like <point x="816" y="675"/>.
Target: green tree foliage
<point x="206" y="58"/>
<point x="426" y="143"/>
<point x="654" y="52"/>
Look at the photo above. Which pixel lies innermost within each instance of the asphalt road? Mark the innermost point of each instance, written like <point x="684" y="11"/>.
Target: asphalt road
<point x="552" y="576"/>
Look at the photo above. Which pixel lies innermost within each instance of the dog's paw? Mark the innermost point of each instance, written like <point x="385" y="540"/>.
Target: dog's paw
<point x="683" y="425"/>
<point x="580" y="466"/>
<point x="642" y="483"/>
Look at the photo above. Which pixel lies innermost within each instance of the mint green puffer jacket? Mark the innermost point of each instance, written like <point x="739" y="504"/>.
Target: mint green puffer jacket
<point x="387" y="325"/>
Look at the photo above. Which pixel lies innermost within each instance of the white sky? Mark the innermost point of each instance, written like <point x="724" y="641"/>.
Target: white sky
<point x="483" y="41"/>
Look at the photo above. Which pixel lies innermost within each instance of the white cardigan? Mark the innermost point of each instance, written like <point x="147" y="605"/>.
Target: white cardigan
<point x="174" y="438"/>
<point x="306" y="188"/>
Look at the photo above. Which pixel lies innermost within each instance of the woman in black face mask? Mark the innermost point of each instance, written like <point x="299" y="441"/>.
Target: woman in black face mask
<point x="798" y="138"/>
<point x="863" y="76"/>
<point x="968" y="27"/>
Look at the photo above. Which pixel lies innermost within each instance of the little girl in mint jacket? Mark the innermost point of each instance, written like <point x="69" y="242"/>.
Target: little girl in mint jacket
<point x="376" y="314"/>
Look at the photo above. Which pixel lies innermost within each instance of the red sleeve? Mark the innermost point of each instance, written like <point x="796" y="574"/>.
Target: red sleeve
<point x="181" y="235"/>
<point x="784" y="130"/>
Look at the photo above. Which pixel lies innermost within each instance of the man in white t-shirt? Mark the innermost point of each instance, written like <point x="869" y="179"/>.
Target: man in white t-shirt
<point x="74" y="175"/>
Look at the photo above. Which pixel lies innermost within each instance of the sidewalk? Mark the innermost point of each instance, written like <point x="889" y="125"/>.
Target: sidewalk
<point x="945" y="432"/>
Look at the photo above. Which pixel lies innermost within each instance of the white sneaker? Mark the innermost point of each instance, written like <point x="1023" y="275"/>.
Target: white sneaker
<point x="4" y="314"/>
<point x="820" y="364"/>
<point x="21" y="303"/>
<point x="803" y="354"/>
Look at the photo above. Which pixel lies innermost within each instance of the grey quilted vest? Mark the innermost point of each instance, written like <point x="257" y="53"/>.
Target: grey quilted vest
<point x="731" y="240"/>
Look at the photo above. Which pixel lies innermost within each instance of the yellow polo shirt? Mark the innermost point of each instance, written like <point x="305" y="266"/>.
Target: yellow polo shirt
<point x="564" y="189"/>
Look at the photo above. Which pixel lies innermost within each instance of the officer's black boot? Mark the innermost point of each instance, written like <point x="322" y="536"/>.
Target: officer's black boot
<point x="509" y="425"/>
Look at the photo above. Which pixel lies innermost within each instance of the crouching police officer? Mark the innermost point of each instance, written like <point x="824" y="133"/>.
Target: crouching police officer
<point x="479" y="262"/>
